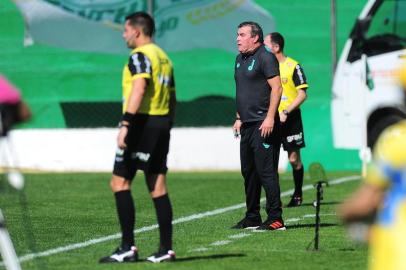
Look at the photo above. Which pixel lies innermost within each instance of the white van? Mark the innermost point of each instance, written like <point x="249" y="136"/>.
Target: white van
<point x="366" y="95"/>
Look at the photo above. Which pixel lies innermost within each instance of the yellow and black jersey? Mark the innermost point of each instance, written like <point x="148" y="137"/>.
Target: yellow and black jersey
<point x="151" y="63"/>
<point x="293" y="79"/>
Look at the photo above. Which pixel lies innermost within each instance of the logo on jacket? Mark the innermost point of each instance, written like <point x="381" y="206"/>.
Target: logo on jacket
<point x="252" y="65"/>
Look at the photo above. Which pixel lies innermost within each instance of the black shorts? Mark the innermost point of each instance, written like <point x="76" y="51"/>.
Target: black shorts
<point x="292" y="132"/>
<point x="147" y="147"/>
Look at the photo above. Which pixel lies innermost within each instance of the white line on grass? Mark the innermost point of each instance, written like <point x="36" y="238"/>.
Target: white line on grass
<point x="221" y="243"/>
<point x="314" y="215"/>
<point x="200" y="249"/>
<point x="239" y="235"/>
<point x="176" y="221"/>
<point x="242" y="235"/>
<point x="292" y="220"/>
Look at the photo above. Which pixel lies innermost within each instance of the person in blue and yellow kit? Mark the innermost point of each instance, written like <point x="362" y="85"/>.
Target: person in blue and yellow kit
<point x="384" y="191"/>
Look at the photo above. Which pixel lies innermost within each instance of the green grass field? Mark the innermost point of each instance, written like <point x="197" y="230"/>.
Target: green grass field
<point x="68" y="209"/>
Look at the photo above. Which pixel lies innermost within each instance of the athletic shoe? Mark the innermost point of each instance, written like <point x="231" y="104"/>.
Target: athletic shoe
<point x="120" y="255"/>
<point x="276" y="225"/>
<point x="159" y="257"/>
<point x="295" y="201"/>
<point x="247" y="223"/>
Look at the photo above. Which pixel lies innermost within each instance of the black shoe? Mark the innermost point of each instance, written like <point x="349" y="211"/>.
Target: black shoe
<point x="120" y="255"/>
<point x="276" y="225"/>
<point x="159" y="257"/>
<point x="295" y="201"/>
<point x="247" y="223"/>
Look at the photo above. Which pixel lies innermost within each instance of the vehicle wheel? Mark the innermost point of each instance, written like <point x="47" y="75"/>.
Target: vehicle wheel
<point x="379" y="126"/>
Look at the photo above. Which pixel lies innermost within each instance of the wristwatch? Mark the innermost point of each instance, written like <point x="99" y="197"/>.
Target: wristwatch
<point x="285" y="112"/>
<point x="120" y="125"/>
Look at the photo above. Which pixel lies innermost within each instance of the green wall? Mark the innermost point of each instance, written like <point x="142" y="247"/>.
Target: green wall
<point x="48" y="76"/>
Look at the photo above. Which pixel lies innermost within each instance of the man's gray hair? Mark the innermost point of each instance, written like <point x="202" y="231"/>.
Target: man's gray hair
<point x="256" y="30"/>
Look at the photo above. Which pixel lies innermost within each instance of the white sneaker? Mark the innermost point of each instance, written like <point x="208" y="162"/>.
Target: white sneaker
<point x="158" y="257"/>
<point x="120" y="255"/>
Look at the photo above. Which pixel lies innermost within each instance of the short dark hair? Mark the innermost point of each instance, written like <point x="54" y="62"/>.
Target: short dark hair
<point x="277" y="38"/>
<point x="256" y="30"/>
<point x="143" y="20"/>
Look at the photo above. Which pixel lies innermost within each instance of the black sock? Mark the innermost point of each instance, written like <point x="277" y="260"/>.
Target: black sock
<point x="163" y="209"/>
<point x="298" y="179"/>
<point x="126" y="216"/>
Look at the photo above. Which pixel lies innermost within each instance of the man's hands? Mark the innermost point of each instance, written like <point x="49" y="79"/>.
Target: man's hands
<point x="237" y="128"/>
<point x="267" y="126"/>
<point x="122" y="134"/>
<point x="283" y="116"/>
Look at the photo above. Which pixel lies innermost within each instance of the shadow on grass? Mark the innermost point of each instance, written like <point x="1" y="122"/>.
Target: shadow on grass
<point x="347" y="249"/>
<point x="195" y="258"/>
<point x="298" y="226"/>
<point x="210" y="257"/>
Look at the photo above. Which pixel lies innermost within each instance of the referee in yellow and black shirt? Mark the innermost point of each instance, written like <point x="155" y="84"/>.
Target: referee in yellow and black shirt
<point x="294" y="93"/>
<point x="143" y="140"/>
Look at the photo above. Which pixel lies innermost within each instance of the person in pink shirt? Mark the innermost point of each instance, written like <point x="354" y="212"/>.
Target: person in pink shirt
<point x="8" y="93"/>
<point x="13" y="109"/>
